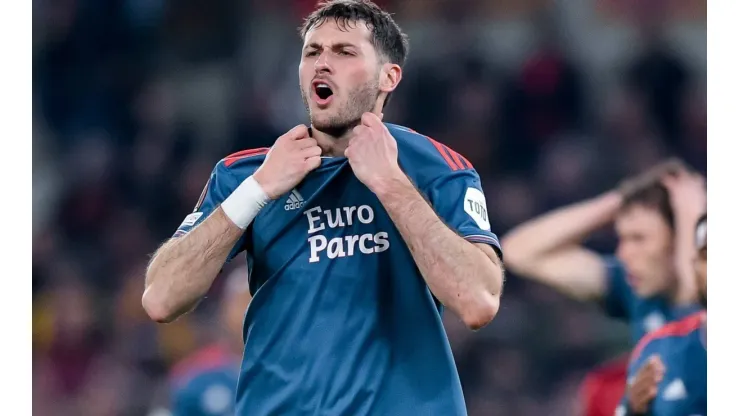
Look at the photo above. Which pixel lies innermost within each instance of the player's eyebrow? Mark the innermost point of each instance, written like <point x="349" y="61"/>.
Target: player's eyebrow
<point x="335" y="46"/>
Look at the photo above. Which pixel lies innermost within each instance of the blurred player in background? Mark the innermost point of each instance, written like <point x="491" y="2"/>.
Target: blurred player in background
<point x="668" y="369"/>
<point x="357" y="234"/>
<point x="204" y="383"/>
<point x="649" y="282"/>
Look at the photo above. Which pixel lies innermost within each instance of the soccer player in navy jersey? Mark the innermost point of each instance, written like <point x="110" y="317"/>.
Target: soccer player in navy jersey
<point x="668" y="369"/>
<point x="649" y="282"/>
<point x="357" y="232"/>
<point x="204" y="383"/>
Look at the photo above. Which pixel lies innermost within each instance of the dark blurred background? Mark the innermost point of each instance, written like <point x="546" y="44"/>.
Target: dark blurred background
<point x="136" y="100"/>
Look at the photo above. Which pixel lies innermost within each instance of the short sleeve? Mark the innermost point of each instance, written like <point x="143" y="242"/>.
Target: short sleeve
<point x="458" y="199"/>
<point x="219" y="186"/>
<point x="619" y="295"/>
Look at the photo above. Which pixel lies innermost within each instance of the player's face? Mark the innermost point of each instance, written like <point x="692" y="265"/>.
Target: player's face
<point x="646" y="249"/>
<point x="339" y="75"/>
<point x="700" y="266"/>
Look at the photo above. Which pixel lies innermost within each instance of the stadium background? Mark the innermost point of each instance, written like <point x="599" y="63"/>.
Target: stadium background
<point x="135" y="100"/>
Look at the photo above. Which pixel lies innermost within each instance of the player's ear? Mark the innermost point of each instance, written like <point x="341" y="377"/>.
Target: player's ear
<point x="390" y="77"/>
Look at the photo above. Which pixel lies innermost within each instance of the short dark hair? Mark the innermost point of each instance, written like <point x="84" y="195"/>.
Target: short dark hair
<point x="387" y="36"/>
<point x="654" y="197"/>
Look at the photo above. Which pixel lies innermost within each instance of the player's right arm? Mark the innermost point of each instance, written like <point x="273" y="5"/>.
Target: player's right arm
<point x="548" y="249"/>
<point x="182" y="270"/>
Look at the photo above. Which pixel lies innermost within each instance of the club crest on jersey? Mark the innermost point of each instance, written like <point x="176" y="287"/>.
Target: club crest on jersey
<point x="295" y="201"/>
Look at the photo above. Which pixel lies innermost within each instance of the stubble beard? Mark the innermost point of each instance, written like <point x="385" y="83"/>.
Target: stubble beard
<point x="345" y="116"/>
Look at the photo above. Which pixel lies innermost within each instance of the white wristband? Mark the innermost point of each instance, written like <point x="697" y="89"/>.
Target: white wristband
<point x="245" y="202"/>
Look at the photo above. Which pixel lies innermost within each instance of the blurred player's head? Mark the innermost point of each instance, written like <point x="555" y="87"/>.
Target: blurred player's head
<point x="645" y="229"/>
<point x="352" y="59"/>
<point x="700" y="263"/>
<point x="234" y="302"/>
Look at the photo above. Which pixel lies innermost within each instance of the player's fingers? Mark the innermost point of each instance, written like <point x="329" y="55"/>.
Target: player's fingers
<point x="642" y="384"/>
<point x="357" y="132"/>
<point x="651" y="393"/>
<point x="647" y="368"/>
<point x="654" y="361"/>
<point x="312" y="162"/>
<point x="646" y="394"/>
<point x="657" y="363"/>
<point x="667" y="168"/>
<point x="311" y="151"/>
<point x="307" y="143"/>
<point x="298" y="132"/>
<point x="370" y="119"/>
<point x="668" y="181"/>
<point x="673" y="164"/>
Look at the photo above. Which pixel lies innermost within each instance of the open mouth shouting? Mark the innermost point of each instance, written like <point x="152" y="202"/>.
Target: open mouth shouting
<point x="322" y="93"/>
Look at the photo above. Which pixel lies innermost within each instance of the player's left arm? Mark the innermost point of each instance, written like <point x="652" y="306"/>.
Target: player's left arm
<point x="460" y="266"/>
<point x="465" y="275"/>
<point x="688" y="196"/>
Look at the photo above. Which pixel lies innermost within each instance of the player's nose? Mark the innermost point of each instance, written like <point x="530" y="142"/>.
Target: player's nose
<point x="322" y="64"/>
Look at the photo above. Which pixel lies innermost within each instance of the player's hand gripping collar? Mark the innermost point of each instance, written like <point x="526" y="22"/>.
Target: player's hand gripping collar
<point x="373" y="153"/>
<point x="290" y="159"/>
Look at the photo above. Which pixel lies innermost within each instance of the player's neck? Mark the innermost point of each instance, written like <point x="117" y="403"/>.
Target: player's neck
<point x="332" y="146"/>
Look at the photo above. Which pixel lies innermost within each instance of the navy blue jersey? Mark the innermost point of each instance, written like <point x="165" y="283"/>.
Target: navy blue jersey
<point x="204" y="384"/>
<point x="644" y="315"/>
<point x="681" y="346"/>
<point x="342" y="322"/>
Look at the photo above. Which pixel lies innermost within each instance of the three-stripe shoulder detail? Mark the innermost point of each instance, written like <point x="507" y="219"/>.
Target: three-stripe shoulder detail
<point x="454" y="160"/>
<point x="244" y="154"/>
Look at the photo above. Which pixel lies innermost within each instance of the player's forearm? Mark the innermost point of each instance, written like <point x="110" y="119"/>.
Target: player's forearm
<point x="457" y="272"/>
<point x="685" y="250"/>
<point x="557" y="230"/>
<point x="182" y="271"/>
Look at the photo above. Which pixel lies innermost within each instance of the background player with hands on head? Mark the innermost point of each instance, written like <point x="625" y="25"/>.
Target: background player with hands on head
<point x="650" y="280"/>
<point x="357" y="233"/>
<point x="668" y="369"/>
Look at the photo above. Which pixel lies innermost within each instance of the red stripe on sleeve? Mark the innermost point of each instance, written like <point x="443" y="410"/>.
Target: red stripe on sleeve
<point x="466" y="162"/>
<point x="673" y="329"/>
<point x="442" y="149"/>
<point x="233" y="158"/>
<point x="458" y="158"/>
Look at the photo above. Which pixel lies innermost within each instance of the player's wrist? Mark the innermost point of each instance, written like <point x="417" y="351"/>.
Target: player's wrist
<point x="243" y="205"/>
<point x="390" y="184"/>
<point x="264" y="184"/>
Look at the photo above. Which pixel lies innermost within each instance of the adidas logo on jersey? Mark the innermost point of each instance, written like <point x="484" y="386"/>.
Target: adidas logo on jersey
<point x="676" y="390"/>
<point x="295" y="201"/>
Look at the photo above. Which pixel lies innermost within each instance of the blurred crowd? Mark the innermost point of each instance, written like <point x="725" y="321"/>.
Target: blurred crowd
<point x="136" y="100"/>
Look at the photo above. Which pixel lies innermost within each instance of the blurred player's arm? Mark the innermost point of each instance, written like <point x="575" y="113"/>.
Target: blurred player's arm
<point x="466" y="277"/>
<point x="548" y="249"/>
<point x="688" y="197"/>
